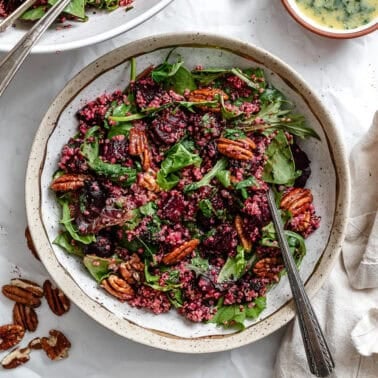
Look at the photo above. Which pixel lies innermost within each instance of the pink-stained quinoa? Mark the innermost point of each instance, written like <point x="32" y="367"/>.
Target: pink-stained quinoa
<point x="132" y="213"/>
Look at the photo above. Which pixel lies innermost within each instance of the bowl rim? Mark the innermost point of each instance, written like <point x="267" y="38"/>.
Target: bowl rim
<point x="124" y="327"/>
<point x="297" y="16"/>
<point x="101" y="37"/>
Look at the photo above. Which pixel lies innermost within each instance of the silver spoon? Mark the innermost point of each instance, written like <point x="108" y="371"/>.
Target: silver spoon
<point x="16" y="14"/>
<point x="318" y="354"/>
<point x="13" y="60"/>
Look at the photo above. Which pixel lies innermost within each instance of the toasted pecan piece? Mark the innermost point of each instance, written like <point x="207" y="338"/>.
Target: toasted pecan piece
<point x="132" y="270"/>
<point x="56" y="346"/>
<point x="207" y="94"/>
<point x="59" y="304"/>
<point x="30" y="243"/>
<point x="247" y="244"/>
<point x="25" y="316"/>
<point x="16" y="358"/>
<point x="296" y="201"/>
<point x="118" y="287"/>
<point x="147" y="180"/>
<point x="20" y="295"/>
<point x="35" y="344"/>
<point x="10" y="335"/>
<point x="138" y="141"/>
<point x="240" y="149"/>
<point x="28" y="285"/>
<point x="69" y="181"/>
<point x="179" y="253"/>
<point x="268" y="268"/>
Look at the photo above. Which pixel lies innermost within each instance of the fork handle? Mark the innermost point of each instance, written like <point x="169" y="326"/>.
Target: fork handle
<point x="13" y="60"/>
<point x="318" y="354"/>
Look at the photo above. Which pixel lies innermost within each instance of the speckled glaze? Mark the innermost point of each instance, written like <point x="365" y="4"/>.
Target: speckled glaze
<point x="160" y="339"/>
<point x="324" y="31"/>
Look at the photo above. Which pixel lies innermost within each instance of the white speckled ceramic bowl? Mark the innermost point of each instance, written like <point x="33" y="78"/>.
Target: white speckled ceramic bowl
<point x="101" y="25"/>
<point x="329" y="183"/>
<point x="325" y="31"/>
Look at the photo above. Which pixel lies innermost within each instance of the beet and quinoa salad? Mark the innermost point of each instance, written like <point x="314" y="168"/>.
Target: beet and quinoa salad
<point x="76" y="10"/>
<point x="164" y="190"/>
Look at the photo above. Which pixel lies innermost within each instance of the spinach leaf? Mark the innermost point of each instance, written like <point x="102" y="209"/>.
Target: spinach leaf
<point x="66" y="221"/>
<point x="178" y="157"/>
<point x="232" y="316"/>
<point x="219" y="166"/>
<point x="247" y="183"/>
<point x="98" y="267"/>
<point x="279" y="167"/>
<point x="224" y="177"/>
<point x="65" y="241"/>
<point x="122" y="129"/>
<point x="234" y="267"/>
<point x="33" y="14"/>
<point x="75" y="8"/>
<point x="165" y="70"/>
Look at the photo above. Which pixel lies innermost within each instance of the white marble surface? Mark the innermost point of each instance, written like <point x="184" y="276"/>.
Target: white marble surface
<point x="343" y="72"/>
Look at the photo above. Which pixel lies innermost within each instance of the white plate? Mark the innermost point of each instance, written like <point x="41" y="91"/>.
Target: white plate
<point x="100" y="26"/>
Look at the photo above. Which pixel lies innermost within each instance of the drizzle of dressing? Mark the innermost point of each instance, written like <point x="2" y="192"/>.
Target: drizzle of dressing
<point x="340" y="14"/>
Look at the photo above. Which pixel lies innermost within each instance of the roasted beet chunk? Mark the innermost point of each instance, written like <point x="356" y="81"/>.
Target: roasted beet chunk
<point x="172" y="206"/>
<point x="302" y="162"/>
<point x="147" y="93"/>
<point x="115" y="150"/>
<point x="224" y="241"/>
<point x="169" y="126"/>
<point x="102" y="247"/>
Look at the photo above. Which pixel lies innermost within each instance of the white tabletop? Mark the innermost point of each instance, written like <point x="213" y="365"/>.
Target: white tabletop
<point x="344" y="73"/>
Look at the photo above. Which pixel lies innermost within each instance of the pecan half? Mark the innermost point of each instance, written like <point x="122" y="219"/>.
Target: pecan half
<point x="247" y="244"/>
<point x="30" y="244"/>
<point x="240" y="149"/>
<point x="35" y="344"/>
<point x="207" y="94"/>
<point x="10" y="335"/>
<point x="69" y="181"/>
<point x="25" y="316"/>
<point x="16" y="358"/>
<point x="132" y="269"/>
<point x="118" y="287"/>
<point x="179" y="253"/>
<point x="59" y="304"/>
<point x="56" y="346"/>
<point x="138" y="141"/>
<point x="28" y="285"/>
<point x="20" y="295"/>
<point x="296" y="200"/>
<point x="146" y="159"/>
<point x="147" y="180"/>
<point x="268" y="268"/>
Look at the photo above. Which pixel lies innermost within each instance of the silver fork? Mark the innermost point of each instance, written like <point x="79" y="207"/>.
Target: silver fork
<point x="13" y="60"/>
<point x="16" y="14"/>
<point x="318" y="354"/>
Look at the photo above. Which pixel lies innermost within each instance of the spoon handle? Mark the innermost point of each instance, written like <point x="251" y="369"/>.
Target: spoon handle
<point x="13" y="60"/>
<point x="16" y="14"/>
<point x="318" y="354"/>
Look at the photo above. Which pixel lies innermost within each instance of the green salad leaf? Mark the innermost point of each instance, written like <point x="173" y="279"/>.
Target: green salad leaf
<point x="98" y="267"/>
<point x="234" y="267"/>
<point x="64" y="240"/>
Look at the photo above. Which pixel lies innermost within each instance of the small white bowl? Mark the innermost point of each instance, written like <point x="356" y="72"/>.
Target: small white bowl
<point x="308" y="23"/>
<point x="329" y="183"/>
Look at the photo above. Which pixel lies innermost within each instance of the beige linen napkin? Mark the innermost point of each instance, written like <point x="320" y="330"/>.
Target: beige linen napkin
<point x="347" y="305"/>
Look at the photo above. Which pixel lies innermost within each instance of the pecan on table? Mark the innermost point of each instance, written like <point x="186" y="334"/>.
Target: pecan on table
<point x="205" y="95"/>
<point x="28" y="285"/>
<point x="132" y="269"/>
<point x="247" y="244"/>
<point x="118" y="287"/>
<point x="240" y="149"/>
<point x="268" y="268"/>
<point x="10" y="335"/>
<point x="59" y="304"/>
<point x="21" y="295"/>
<point x="35" y="344"/>
<point x="69" y="181"/>
<point x="25" y="316"/>
<point x="16" y="358"/>
<point x="179" y="253"/>
<point x="296" y="200"/>
<point x="56" y="346"/>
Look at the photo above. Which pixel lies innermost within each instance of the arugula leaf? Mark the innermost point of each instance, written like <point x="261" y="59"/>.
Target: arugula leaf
<point x="64" y="241"/>
<point x="98" y="267"/>
<point x="224" y="177"/>
<point x="232" y="316"/>
<point x="66" y="221"/>
<point x="219" y="166"/>
<point x="165" y="70"/>
<point x="279" y="167"/>
<point x="178" y="157"/>
<point x="234" y="267"/>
